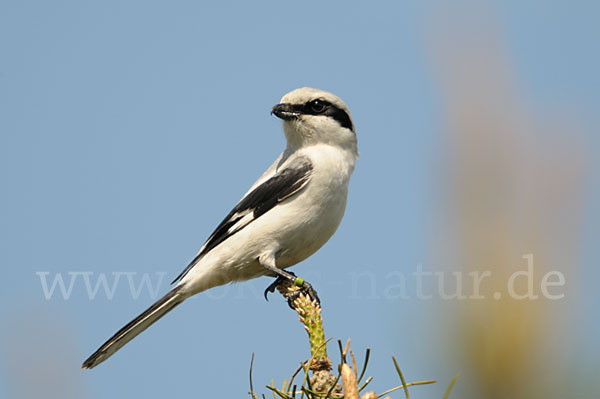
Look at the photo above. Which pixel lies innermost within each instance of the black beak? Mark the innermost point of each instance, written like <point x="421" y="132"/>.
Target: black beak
<point x="285" y="112"/>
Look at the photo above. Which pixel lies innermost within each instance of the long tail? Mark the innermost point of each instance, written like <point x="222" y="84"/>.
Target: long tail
<point x="135" y="326"/>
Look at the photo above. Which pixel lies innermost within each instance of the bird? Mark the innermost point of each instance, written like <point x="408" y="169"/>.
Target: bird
<point x="290" y="212"/>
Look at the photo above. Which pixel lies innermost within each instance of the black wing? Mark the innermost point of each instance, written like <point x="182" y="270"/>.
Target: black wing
<point x="282" y="185"/>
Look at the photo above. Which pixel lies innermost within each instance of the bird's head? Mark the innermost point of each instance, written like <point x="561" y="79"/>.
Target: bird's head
<point x="312" y="116"/>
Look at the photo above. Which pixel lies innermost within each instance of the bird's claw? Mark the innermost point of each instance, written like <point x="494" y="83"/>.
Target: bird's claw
<point x="304" y="287"/>
<point x="280" y="280"/>
<point x="307" y="289"/>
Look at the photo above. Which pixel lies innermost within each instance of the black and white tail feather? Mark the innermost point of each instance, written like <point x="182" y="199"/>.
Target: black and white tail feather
<point x="131" y="330"/>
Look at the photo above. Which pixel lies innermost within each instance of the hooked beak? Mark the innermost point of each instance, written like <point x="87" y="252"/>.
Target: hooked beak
<point x="285" y="112"/>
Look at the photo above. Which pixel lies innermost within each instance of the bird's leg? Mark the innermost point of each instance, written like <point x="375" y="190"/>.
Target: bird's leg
<point x="290" y="279"/>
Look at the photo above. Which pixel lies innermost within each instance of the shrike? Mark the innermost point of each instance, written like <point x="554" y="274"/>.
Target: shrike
<point x="286" y="216"/>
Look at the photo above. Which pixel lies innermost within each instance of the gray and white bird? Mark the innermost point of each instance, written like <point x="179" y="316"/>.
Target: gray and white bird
<point x="286" y="216"/>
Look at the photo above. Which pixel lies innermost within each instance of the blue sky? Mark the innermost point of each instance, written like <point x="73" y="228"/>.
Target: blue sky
<point x="129" y="129"/>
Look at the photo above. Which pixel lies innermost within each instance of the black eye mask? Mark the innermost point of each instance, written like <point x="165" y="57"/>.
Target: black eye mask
<point x="322" y="107"/>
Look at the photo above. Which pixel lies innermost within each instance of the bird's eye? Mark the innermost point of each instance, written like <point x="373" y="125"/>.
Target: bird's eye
<point x="317" y="106"/>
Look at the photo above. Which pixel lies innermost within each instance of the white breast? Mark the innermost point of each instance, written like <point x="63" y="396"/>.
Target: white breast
<point x="318" y="210"/>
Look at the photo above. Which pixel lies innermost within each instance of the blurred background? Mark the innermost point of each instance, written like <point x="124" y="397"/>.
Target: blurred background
<point x="129" y="129"/>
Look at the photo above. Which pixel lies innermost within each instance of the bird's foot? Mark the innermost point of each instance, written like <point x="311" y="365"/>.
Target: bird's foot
<point x="304" y="288"/>
<point x="283" y="283"/>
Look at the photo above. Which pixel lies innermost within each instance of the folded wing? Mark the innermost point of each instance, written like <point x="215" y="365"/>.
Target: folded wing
<point x="281" y="186"/>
